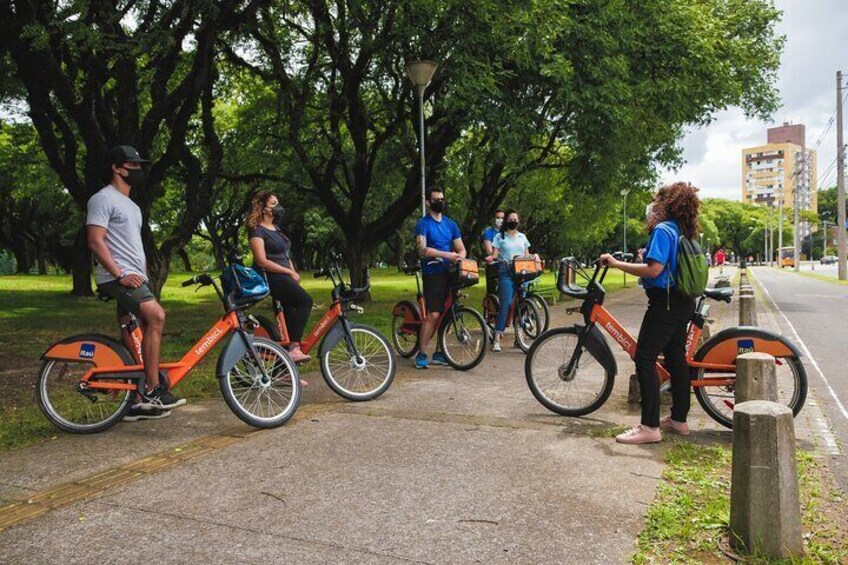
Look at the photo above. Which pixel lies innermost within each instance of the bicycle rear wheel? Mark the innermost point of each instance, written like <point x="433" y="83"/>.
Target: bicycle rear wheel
<point x="463" y="338"/>
<point x="73" y="407"/>
<point x="263" y="401"/>
<point x="363" y="373"/>
<point x="576" y="394"/>
<point x="405" y="329"/>
<point x="718" y="401"/>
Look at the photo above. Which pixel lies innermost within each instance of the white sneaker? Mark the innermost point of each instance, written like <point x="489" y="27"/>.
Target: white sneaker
<point x="496" y="346"/>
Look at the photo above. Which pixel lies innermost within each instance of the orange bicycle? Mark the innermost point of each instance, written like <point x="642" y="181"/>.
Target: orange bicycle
<point x="356" y="360"/>
<point x="87" y="382"/>
<point x="461" y="331"/>
<point x="571" y="370"/>
<point x="525" y="314"/>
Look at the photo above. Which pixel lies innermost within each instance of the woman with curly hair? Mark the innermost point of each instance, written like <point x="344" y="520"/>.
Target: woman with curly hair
<point x="271" y="256"/>
<point x="673" y="213"/>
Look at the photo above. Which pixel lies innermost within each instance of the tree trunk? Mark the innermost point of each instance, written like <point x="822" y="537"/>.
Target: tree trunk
<point x="42" y="261"/>
<point x="357" y="263"/>
<point x="157" y="271"/>
<point x="23" y="264"/>
<point x="184" y="256"/>
<point x="81" y="266"/>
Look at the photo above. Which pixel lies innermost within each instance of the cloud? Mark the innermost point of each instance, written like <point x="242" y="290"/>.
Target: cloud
<point x="815" y="49"/>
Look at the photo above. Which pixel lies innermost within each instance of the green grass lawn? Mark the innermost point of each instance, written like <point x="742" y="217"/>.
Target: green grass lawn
<point x="36" y="311"/>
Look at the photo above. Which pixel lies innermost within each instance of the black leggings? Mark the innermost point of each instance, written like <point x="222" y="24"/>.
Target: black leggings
<point x="296" y="303"/>
<point x="664" y="331"/>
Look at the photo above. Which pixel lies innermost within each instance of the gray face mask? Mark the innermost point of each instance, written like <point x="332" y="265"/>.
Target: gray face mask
<point x="498" y="222"/>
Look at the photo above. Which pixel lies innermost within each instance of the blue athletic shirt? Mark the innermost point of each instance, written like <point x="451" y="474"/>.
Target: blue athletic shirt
<point x="490" y="233"/>
<point x="438" y="235"/>
<point x="662" y="248"/>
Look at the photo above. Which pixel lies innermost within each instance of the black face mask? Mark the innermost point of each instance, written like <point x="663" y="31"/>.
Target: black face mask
<point x="278" y="212"/>
<point x="438" y="206"/>
<point x="135" y="178"/>
<point x="512" y="224"/>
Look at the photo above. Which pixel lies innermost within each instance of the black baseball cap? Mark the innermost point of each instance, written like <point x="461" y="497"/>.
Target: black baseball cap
<point x="121" y="154"/>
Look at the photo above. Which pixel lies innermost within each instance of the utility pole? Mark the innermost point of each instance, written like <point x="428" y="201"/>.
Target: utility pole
<point x="840" y="183"/>
<point x="796" y="221"/>
<point x="780" y="230"/>
<point x="824" y="243"/>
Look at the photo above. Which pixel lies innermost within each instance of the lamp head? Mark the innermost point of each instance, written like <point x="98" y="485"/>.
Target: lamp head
<point x="421" y="72"/>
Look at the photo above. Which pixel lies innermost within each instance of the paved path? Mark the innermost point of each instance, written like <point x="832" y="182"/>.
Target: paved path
<point x="445" y="467"/>
<point x="815" y="313"/>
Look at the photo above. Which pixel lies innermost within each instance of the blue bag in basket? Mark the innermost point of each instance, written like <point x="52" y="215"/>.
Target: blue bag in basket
<point x="244" y="281"/>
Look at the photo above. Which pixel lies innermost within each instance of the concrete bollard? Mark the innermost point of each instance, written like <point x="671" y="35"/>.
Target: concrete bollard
<point x="765" y="508"/>
<point x="747" y="310"/>
<point x="755" y="378"/>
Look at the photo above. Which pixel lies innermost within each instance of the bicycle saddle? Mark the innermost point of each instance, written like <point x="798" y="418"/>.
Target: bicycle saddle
<point x="723" y="294"/>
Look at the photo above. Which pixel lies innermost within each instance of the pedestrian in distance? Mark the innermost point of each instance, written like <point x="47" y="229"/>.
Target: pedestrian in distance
<point x="113" y="230"/>
<point x="489" y="234"/>
<point x="439" y="244"/>
<point x="508" y="244"/>
<point x="673" y="212"/>
<point x="272" y="258"/>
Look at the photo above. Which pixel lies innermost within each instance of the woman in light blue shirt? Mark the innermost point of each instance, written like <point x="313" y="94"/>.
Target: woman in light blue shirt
<point x="507" y="245"/>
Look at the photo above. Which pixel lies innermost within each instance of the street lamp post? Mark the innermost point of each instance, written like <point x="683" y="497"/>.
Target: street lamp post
<point x="420" y="73"/>
<point x="624" y="193"/>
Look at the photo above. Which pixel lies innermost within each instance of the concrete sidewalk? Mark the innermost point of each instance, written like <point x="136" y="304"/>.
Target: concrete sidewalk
<point x="445" y="467"/>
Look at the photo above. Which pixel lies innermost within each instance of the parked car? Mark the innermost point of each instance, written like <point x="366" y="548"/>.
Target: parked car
<point x="828" y="260"/>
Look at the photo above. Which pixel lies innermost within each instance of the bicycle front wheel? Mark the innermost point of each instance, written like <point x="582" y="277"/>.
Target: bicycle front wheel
<point x="361" y="368"/>
<point x="72" y="406"/>
<point x="462" y="338"/>
<point x="578" y="393"/>
<point x="527" y="324"/>
<point x="544" y="311"/>
<point x="263" y="401"/>
<point x="718" y="401"/>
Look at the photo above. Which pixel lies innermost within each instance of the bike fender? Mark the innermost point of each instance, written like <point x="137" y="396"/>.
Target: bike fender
<point x="232" y="353"/>
<point x="598" y="346"/>
<point x="335" y="335"/>
<point x="407" y="309"/>
<point x="98" y="349"/>
<point x="725" y="346"/>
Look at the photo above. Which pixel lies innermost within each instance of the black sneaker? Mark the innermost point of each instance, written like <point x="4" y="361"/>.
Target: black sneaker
<point x="135" y="414"/>
<point x="160" y="399"/>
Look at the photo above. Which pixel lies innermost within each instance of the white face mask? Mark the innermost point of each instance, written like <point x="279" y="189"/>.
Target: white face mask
<point x="649" y="211"/>
<point x="498" y="222"/>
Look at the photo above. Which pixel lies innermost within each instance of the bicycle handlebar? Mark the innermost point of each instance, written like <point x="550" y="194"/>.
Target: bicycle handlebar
<point x="201" y="279"/>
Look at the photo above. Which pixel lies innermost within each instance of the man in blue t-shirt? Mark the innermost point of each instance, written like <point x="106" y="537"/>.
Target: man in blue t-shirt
<point x="439" y="244"/>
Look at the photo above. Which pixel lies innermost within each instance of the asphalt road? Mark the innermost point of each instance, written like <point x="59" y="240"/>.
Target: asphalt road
<point x="814" y="314"/>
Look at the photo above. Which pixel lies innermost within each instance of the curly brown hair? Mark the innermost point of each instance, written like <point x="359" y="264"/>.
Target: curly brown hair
<point x="257" y="207"/>
<point x="679" y="202"/>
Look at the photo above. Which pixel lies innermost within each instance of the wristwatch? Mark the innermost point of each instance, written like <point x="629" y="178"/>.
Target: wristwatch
<point x="121" y="275"/>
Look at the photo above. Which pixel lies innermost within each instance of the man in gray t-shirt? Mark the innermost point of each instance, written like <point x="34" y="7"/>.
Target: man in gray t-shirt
<point x="113" y="228"/>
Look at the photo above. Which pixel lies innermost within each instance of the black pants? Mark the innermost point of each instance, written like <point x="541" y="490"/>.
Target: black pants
<point x="296" y="303"/>
<point x="664" y="331"/>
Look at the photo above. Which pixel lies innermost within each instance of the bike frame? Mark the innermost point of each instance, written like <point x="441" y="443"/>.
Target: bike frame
<point x="422" y="305"/>
<point x="318" y="331"/>
<point x="176" y="371"/>
<point x="595" y="314"/>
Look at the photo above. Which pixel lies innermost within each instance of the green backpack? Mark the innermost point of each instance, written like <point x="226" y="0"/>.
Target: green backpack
<point x="692" y="272"/>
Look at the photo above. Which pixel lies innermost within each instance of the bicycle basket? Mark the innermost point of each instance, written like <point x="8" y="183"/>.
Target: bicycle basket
<point x="464" y="273"/>
<point x="526" y="269"/>
<point x="244" y="283"/>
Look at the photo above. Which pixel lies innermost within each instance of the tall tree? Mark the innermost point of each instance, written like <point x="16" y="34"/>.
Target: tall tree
<point x="96" y="74"/>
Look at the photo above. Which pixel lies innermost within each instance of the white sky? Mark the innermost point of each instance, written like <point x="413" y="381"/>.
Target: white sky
<point x="816" y="47"/>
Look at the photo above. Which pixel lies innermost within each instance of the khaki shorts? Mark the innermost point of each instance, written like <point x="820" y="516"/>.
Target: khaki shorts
<point x="129" y="299"/>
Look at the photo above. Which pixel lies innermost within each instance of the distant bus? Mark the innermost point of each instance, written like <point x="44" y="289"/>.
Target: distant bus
<point x="787" y="257"/>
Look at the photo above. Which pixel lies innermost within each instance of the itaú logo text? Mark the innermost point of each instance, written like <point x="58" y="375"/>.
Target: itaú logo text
<point x="689" y="338"/>
<point x="137" y="342"/>
<point x="208" y="341"/>
<point x="619" y="337"/>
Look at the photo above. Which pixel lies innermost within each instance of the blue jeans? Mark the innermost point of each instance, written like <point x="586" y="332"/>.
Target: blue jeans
<point x="506" y="292"/>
